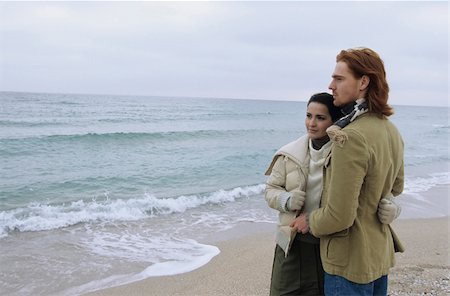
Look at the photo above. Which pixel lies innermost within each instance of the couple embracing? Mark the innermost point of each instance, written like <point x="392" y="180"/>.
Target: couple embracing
<point x="334" y="188"/>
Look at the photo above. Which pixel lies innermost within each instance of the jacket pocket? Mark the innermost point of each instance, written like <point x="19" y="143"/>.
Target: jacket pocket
<point x="337" y="248"/>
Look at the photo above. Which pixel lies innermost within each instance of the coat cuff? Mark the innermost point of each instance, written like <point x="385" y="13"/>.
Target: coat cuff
<point x="284" y="196"/>
<point x="308" y="220"/>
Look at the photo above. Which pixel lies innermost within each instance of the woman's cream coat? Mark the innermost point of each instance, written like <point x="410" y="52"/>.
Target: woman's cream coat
<point x="353" y="242"/>
<point x="288" y="171"/>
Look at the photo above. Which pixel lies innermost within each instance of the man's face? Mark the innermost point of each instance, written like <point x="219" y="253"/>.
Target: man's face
<point x="345" y="87"/>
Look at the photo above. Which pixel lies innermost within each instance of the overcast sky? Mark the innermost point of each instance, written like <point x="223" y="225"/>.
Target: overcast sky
<point x="250" y="50"/>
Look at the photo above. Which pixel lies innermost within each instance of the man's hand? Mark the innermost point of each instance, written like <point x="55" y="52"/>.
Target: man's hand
<point x="388" y="210"/>
<point x="300" y="224"/>
<point x="297" y="200"/>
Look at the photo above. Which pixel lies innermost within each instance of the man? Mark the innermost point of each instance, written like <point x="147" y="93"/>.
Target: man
<point x="365" y="163"/>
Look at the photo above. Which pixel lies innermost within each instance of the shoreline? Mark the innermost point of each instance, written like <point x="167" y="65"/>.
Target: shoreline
<point x="244" y="264"/>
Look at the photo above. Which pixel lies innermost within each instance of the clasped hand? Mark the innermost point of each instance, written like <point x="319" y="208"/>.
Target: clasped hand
<point x="300" y="223"/>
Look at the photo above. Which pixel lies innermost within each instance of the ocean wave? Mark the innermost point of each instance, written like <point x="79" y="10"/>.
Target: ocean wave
<point x="40" y="217"/>
<point x="422" y="184"/>
<point x="440" y="129"/>
<point x="126" y="136"/>
<point x="419" y="160"/>
<point x="71" y="103"/>
<point x="181" y="256"/>
<point x="23" y="123"/>
<point x="441" y="126"/>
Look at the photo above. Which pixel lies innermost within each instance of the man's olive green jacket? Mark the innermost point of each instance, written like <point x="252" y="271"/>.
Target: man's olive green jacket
<point x="354" y="244"/>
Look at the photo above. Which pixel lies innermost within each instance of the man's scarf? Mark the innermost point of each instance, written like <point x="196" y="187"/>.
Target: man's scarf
<point x="352" y="111"/>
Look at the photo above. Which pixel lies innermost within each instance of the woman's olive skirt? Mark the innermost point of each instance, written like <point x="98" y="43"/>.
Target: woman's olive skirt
<point x="300" y="273"/>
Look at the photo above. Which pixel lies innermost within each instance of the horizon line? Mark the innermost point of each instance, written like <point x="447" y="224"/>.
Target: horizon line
<point x="187" y="97"/>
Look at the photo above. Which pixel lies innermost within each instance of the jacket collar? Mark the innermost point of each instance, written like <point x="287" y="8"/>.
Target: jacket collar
<point x="297" y="151"/>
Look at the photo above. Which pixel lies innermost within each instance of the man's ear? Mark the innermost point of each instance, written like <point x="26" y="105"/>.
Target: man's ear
<point x="365" y="80"/>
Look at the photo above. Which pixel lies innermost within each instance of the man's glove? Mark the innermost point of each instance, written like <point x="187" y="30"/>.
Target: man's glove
<point x="388" y="210"/>
<point x="296" y="201"/>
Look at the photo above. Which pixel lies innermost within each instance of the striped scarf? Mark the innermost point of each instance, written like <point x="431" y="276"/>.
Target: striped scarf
<point x="335" y="132"/>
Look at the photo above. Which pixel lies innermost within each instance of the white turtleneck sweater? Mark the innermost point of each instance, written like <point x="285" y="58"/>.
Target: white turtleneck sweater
<point x="315" y="176"/>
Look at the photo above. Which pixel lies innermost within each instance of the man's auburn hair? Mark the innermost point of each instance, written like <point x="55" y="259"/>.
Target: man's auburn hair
<point x="364" y="61"/>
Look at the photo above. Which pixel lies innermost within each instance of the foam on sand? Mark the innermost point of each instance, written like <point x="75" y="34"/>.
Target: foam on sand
<point x="172" y="267"/>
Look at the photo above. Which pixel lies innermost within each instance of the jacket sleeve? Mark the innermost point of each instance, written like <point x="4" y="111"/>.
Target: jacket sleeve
<point x="348" y="168"/>
<point x="397" y="188"/>
<point x="275" y="192"/>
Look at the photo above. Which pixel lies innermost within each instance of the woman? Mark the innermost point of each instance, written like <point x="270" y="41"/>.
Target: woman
<point x="294" y="186"/>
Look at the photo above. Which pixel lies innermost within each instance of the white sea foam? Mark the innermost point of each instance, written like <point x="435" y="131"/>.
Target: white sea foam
<point x="422" y="184"/>
<point x="440" y="125"/>
<point x="180" y="256"/>
<point x="143" y="247"/>
<point x="38" y="217"/>
<point x="416" y="203"/>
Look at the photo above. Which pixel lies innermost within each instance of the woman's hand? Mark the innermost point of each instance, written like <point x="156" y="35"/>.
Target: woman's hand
<point x="300" y="224"/>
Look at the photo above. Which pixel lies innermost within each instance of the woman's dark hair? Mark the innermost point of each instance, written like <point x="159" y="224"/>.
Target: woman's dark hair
<point x="327" y="100"/>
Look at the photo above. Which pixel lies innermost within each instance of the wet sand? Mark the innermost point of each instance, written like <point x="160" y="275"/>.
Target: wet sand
<point x="244" y="265"/>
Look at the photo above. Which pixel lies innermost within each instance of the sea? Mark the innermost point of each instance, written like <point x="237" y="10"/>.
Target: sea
<point x="100" y="190"/>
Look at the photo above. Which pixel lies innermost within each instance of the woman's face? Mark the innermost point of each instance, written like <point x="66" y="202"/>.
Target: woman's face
<point x="317" y="120"/>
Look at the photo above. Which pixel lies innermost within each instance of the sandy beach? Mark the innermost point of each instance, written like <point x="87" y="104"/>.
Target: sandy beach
<point x="244" y="265"/>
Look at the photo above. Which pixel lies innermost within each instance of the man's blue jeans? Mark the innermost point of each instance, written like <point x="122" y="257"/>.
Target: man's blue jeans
<point x="338" y="286"/>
